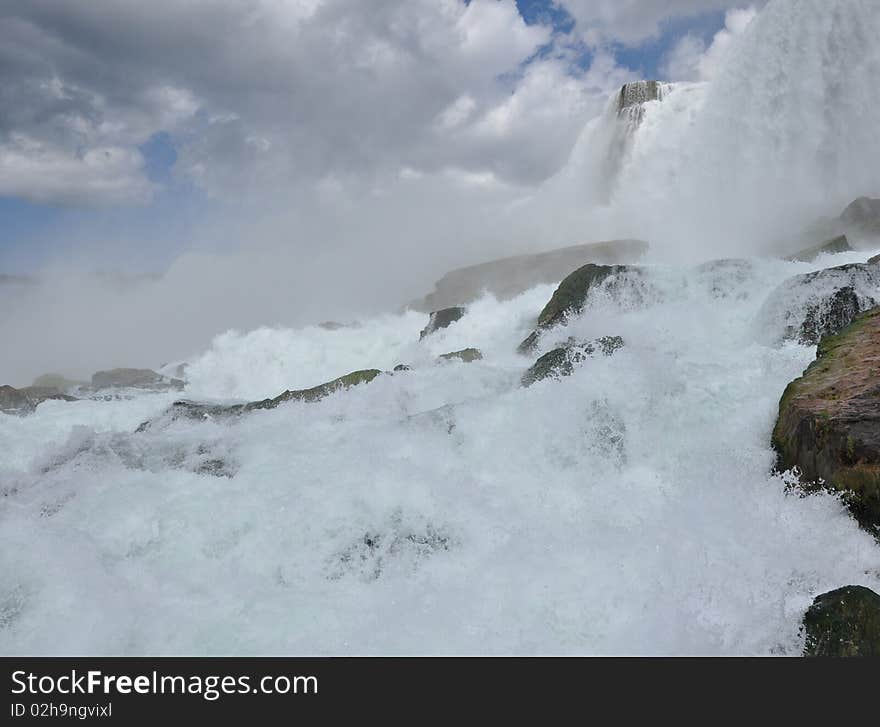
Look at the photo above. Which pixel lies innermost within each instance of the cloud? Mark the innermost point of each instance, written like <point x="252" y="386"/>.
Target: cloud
<point x="282" y="98"/>
<point x="269" y="94"/>
<point x="633" y="21"/>
<point x="37" y="172"/>
<point x="691" y="60"/>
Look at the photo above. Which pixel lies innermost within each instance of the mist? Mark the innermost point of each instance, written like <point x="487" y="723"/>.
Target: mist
<point x="779" y="136"/>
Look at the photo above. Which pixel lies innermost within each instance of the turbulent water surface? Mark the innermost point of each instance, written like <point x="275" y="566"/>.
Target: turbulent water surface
<point x="628" y="508"/>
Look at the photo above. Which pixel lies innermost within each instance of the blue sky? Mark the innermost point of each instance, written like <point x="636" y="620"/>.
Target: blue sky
<point x="32" y="233"/>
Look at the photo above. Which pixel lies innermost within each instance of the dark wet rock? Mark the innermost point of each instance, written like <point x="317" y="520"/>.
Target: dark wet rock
<point x="467" y="355"/>
<point x="807" y="307"/>
<point x="637" y="93"/>
<point x="508" y="277"/>
<point x="56" y="381"/>
<point x="874" y="260"/>
<point x="402" y="367"/>
<point x="831" y="315"/>
<point x="562" y="361"/>
<point x="843" y="622"/>
<point x="442" y="319"/>
<point x="829" y="420"/>
<point x="25" y="400"/>
<point x="834" y="245"/>
<point x="570" y="298"/>
<point x="199" y="411"/>
<point x="134" y="379"/>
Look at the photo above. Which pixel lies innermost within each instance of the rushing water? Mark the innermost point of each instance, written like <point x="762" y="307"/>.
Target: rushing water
<point x="628" y="508"/>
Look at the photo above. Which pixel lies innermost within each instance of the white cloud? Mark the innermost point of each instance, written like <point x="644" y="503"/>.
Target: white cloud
<point x="270" y="97"/>
<point x="34" y="171"/>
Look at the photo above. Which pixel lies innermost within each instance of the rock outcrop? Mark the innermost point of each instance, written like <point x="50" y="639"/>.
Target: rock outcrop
<point x="135" y="379"/>
<point x="829" y="419"/>
<point x="843" y="622"/>
<point x="562" y="361"/>
<point x="56" y="381"/>
<point x="316" y="393"/>
<point x="860" y="222"/>
<point x="442" y="318"/>
<point x="198" y="411"/>
<point x="467" y="355"/>
<point x="863" y="216"/>
<point x="807" y="307"/>
<point x="25" y="400"/>
<point x="638" y="92"/>
<point x="834" y="245"/>
<point x="569" y="299"/>
<point x="508" y="277"/>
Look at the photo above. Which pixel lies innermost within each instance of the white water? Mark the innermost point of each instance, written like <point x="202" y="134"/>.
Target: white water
<point x="626" y="509"/>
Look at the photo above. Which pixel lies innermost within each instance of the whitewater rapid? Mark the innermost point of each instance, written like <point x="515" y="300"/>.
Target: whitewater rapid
<point x="626" y="509"/>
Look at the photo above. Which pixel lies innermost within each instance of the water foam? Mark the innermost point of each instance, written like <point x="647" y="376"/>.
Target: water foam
<point x="626" y="509"/>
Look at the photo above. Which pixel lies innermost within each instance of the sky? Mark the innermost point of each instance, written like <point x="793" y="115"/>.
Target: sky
<point x="133" y="132"/>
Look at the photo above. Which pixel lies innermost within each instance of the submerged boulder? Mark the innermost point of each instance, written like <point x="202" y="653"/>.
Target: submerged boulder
<point x="442" y="319"/>
<point x="807" y="307"/>
<point x="25" y="400"/>
<point x="834" y="245"/>
<point x="570" y="297"/>
<point x="727" y="277"/>
<point x="843" y="622"/>
<point x="134" y="379"/>
<point x="467" y="355"/>
<point x="561" y="361"/>
<point x="829" y="419"/>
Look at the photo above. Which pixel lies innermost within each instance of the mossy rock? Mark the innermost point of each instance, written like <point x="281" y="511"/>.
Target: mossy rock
<point x="316" y="393"/>
<point x="197" y="411"/>
<point x="843" y="622"/>
<point x="829" y="420"/>
<point x="442" y="319"/>
<point x="569" y="299"/>
<point x="562" y="361"/>
<point x="467" y="355"/>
